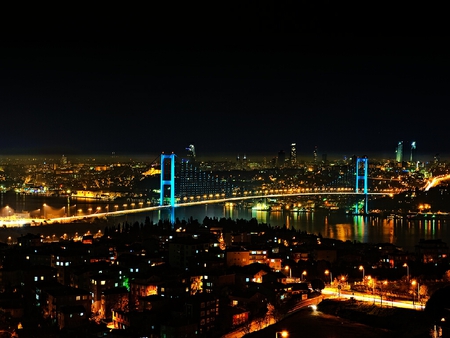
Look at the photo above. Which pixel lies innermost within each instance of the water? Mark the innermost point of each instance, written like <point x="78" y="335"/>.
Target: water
<point x="401" y="232"/>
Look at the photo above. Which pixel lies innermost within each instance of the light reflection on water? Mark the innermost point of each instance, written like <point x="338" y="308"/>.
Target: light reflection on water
<point x="402" y="232"/>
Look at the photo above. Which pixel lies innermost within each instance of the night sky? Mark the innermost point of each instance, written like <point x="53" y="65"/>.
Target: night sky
<point x="247" y="80"/>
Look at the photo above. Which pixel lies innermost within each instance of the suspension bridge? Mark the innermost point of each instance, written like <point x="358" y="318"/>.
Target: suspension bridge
<point x="169" y="201"/>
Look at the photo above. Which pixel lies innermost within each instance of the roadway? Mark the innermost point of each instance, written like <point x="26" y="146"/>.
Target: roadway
<point x="257" y="325"/>
<point x="328" y="293"/>
<point x="371" y="298"/>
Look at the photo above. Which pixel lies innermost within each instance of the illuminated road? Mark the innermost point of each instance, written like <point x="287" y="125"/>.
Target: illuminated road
<point x="435" y="181"/>
<point x="374" y="299"/>
<point x="330" y="293"/>
<point x="256" y="326"/>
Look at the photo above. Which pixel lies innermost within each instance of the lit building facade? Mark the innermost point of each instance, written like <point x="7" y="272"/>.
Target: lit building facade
<point x="237" y="257"/>
<point x="399" y="152"/>
<point x="193" y="183"/>
<point x="191" y="152"/>
<point x="293" y="154"/>
<point x="412" y="155"/>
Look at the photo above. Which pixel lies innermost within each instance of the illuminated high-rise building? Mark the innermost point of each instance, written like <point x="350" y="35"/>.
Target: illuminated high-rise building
<point x="191" y="152"/>
<point x="399" y="152"/>
<point x="192" y="182"/>
<point x="64" y="161"/>
<point x="413" y="151"/>
<point x="293" y="154"/>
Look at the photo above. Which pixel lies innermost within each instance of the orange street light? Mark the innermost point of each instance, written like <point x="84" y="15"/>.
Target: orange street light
<point x="407" y="270"/>
<point x="290" y="270"/>
<point x="282" y="334"/>
<point x="363" y="271"/>
<point x="328" y="272"/>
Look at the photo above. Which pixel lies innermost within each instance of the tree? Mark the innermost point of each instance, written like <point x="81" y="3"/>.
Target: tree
<point x="447" y="276"/>
<point x="278" y="308"/>
<point x="423" y="293"/>
<point x="270" y="312"/>
<point x="317" y="284"/>
<point x="246" y="327"/>
<point x="437" y="305"/>
<point x="196" y="284"/>
<point x="260" y="322"/>
<point x="124" y="303"/>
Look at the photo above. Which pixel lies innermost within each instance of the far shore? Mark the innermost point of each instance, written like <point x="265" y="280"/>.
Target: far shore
<point x="10" y="234"/>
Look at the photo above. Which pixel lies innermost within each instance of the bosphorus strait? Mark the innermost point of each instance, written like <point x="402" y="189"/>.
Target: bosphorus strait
<point x="402" y="232"/>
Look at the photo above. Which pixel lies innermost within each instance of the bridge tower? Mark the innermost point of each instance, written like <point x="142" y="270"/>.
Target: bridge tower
<point x="170" y="183"/>
<point x="361" y="174"/>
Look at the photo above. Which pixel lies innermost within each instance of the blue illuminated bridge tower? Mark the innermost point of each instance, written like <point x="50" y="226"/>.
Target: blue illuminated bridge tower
<point x="182" y="179"/>
<point x="354" y="176"/>
<point x="361" y="175"/>
<point x="168" y="182"/>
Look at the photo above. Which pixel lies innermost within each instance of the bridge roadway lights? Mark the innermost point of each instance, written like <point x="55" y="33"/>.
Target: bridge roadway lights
<point x="68" y="219"/>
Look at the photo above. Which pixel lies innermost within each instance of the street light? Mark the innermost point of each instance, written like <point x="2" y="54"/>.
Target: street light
<point x="407" y="270"/>
<point x="290" y="270"/>
<point x="363" y="271"/>
<point x="414" y="282"/>
<point x="331" y="275"/>
<point x="304" y="273"/>
<point x="283" y="334"/>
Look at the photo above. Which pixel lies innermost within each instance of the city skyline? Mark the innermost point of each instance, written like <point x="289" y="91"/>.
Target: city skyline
<point x="98" y="239"/>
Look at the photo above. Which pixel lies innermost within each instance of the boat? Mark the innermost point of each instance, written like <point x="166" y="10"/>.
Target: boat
<point x="394" y="216"/>
<point x="261" y="207"/>
<point x="91" y="195"/>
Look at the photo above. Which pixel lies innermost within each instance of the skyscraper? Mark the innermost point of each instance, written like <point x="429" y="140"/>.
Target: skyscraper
<point x="413" y="151"/>
<point x="192" y="181"/>
<point x="63" y="161"/>
<point x="399" y="152"/>
<point x="191" y="152"/>
<point x="293" y="154"/>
